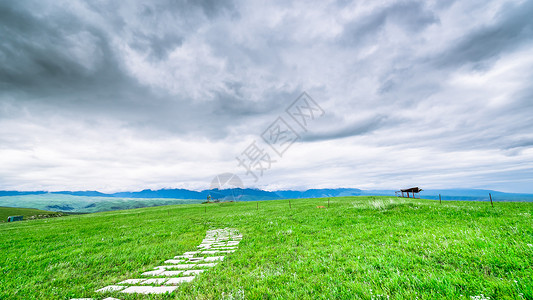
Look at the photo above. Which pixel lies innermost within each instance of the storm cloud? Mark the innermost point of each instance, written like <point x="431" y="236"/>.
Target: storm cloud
<point x="114" y="96"/>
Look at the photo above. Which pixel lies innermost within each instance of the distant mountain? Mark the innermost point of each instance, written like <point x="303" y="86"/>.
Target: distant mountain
<point x="82" y="193"/>
<point x="18" y="193"/>
<point x="164" y="193"/>
<point x="240" y="194"/>
<point x="257" y="194"/>
<point x="474" y="195"/>
<point x="318" y="193"/>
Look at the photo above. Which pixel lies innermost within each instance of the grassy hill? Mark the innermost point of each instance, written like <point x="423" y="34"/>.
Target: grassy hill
<point x="86" y="204"/>
<point x="358" y="248"/>
<point x="28" y="213"/>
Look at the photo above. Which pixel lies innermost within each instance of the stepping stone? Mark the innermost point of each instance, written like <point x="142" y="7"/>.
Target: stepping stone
<point x="153" y="273"/>
<point x="174" y="261"/>
<point x="214" y="258"/>
<point x="216" y="241"/>
<point x="192" y="272"/>
<point x="208" y="265"/>
<point x="218" y="251"/>
<point x="224" y="248"/>
<point x="154" y="280"/>
<point x="185" y="266"/>
<point x="108" y="298"/>
<point x="149" y="289"/>
<point x="131" y="281"/>
<point x="110" y="288"/>
<point x="172" y="273"/>
<point x="194" y="259"/>
<point x="178" y="280"/>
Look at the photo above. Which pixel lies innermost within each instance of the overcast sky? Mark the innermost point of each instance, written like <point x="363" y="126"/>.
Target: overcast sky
<point x="127" y="95"/>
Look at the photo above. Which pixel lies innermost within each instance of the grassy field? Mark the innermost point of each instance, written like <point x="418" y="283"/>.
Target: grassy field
<point x="26" y="212"/>
<point x="358" y="248"/>
<point x="84" y="204"/>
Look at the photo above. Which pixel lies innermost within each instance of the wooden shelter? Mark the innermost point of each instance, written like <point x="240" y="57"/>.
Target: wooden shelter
<point x="410" y="191"/>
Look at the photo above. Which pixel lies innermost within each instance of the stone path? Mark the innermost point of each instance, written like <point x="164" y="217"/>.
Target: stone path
<point x="181" y="268"/>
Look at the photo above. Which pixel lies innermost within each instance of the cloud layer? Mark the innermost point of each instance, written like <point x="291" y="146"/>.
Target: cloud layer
<point x="131" y="95"/>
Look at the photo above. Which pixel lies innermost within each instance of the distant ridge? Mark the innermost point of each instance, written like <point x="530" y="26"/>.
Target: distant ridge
<point x="249" y="194"/>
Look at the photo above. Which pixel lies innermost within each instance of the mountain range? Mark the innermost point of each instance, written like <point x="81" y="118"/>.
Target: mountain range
<point x="248" y="194"/>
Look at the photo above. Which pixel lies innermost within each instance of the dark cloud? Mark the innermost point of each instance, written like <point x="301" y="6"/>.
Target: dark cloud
<point x="96" y="90"/>
<point x="56" y="59"/>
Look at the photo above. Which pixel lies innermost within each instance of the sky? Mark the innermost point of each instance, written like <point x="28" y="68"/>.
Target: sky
<point x="130" y="95"/>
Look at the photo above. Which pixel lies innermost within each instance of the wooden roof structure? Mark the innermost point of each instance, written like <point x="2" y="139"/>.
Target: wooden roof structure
<point x="410" y="191"/>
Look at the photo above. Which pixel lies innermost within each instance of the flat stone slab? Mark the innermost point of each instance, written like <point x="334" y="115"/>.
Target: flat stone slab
<point x="171" y="273"/>
<point x="153" y="273"/>
<point x="214" y="258"/>
<point x="110" y="288"/>
<point x="180" y="266"/>
<point x="194" y="259"/>
<point x="108" y="298"/>
<point x="192" y="272"/>
<point x="186" y="266"/>
<point x="179" y="280"/>
<point x="183" y="268"/>
<point x="149" y="289"/>
<point x="208" y="265"/>
<point x="224" y="248"/>
<point x="174" y="261"/>
<point x="131" y="281"/>
<point x="217" y="251"/>
<point x="154" y="281"/>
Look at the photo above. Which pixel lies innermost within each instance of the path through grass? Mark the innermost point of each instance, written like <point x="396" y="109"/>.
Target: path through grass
<point x="358" y="248"/>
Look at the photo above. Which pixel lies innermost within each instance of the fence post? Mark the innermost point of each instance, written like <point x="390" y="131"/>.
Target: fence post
<point x="328" y="202"/>
<point x="290" y="207"/>
<point x="257" y="206"/>
<point x="440" y="199"/>
<point x="490" y="196"/>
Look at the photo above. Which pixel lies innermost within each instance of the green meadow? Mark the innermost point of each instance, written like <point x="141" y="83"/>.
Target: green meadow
<point x="84" y="204"/>
<point x="357" y="248"/>
<point x="27" y="213"/>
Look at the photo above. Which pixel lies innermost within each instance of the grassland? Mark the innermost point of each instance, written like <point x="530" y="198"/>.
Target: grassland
<point x="84" y="204"/>
<point x="27" y="213"/>
<point x="358" y="248"/>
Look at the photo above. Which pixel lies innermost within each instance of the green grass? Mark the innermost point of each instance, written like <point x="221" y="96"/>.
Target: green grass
<point x="359" y="248"/>
<point x="85" y="204"/>
<point x="26" y="212"/>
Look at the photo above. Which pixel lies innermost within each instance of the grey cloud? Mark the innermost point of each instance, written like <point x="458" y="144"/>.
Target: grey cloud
<point x="158" y="47"/>
<point x="411" y="16"/>
<point x="360" y="127"/>
<point x="102" y="74"/>
<point x="49" y="59"/>
<point x="513" y="28"/>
